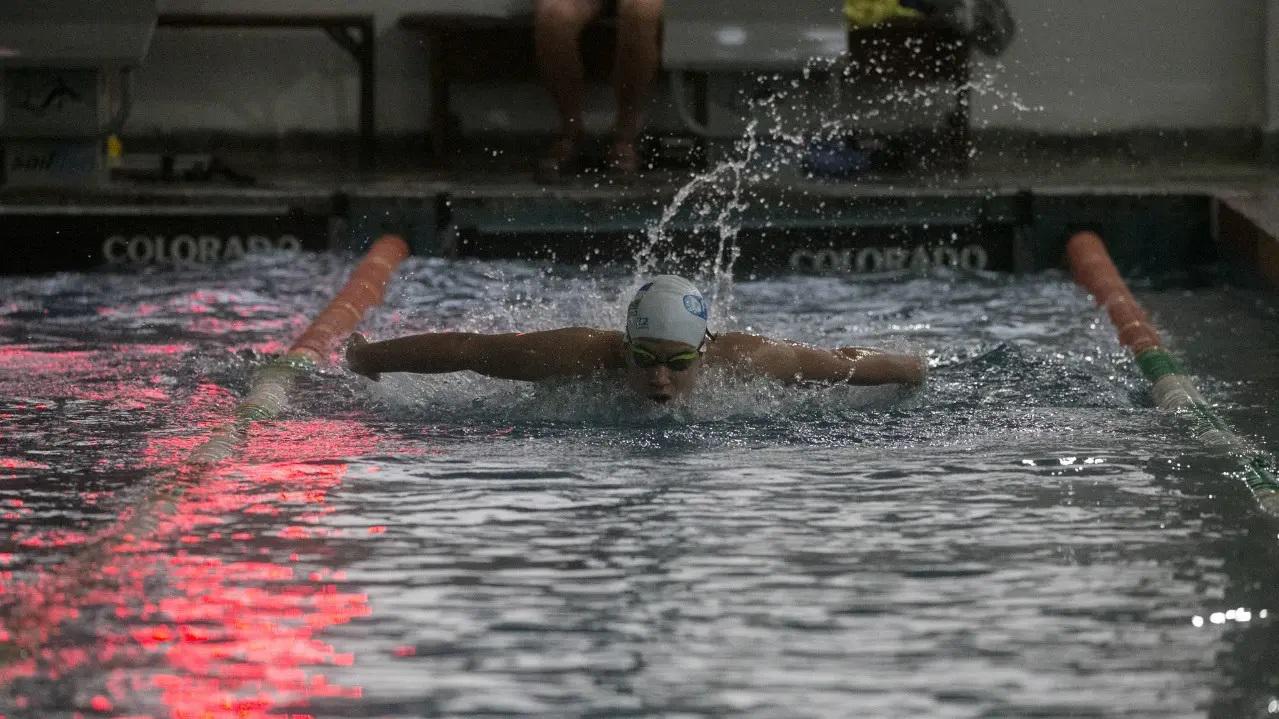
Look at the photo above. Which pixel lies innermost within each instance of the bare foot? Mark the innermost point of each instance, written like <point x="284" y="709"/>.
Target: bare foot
<point x="623" y="158"/>
<point x="561" y="159"/>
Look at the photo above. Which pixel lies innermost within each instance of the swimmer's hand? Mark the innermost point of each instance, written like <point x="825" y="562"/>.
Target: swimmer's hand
<point x="356" y="360"/>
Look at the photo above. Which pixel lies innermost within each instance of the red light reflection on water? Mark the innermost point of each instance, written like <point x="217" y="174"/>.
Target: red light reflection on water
<point x="239" y="636"/>
<point x="120" y="375"/>
<point x="216" y="314"/>
<point x="15" y="463"/>
<point x="17" y="358"/>
<point x="223" y="326"/>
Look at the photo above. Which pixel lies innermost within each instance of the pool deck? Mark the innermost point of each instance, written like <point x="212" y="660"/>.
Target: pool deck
<point x="488" y="204"/>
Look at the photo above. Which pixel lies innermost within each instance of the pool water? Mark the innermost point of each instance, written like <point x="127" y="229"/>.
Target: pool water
<point x="1025" y="536"/>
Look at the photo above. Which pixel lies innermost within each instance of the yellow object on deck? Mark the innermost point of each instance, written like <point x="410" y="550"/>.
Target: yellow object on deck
<point x="115" y="151"/>
<point x="863" y="13"/>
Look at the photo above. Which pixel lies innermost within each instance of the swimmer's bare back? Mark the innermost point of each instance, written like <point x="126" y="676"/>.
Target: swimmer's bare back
<point x="795" y="362"/>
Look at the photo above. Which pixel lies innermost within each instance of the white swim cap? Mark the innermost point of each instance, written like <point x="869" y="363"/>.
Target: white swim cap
<point x="667" y="308"/>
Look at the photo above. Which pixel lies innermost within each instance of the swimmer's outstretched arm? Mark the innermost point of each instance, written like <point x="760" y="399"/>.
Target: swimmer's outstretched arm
<point x="795" y="362"/>
<point x="567" y="352"/>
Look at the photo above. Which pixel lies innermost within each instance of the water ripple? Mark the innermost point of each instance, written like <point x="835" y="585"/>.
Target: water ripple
<point x="1023" y="537"/>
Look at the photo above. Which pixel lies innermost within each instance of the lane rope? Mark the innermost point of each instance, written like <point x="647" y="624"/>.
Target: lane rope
<point x="1171" y="388"/>
<point x="269" y="393"/>
<point x="23" y="627"/>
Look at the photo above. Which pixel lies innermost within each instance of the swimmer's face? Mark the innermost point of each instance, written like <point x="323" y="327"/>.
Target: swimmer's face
<point x="661" y="370"/>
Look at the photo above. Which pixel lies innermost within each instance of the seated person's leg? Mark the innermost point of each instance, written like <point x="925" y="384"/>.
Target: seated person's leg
<point x="558" y="26"/>
<point x="639" y="24"/>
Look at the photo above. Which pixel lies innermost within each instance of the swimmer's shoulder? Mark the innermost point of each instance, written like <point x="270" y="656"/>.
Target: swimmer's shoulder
<point x="730" y="348"/>
<point x="600" y="349"/>
<point x="576" y="337"/>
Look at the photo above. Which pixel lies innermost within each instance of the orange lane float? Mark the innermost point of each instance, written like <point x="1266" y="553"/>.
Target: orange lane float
<point x="1172" y="388"/>
<point x="23" y="626"/>
<point x="269" y="392"/>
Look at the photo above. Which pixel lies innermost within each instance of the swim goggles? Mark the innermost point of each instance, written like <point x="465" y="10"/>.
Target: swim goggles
<point x="678" y="362"/>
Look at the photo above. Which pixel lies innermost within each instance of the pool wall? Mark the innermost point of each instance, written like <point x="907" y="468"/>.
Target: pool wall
<point x="809" y="228"/>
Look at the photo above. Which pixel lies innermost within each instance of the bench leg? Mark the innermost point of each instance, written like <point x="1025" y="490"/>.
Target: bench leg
<point x="701" y="97"/>
<point x="358" y="41"/>
<point x="368" y="102"/>
<point x="959" y="136"/>
<point x="701" y="107"/>
<point x="438" y="96"/>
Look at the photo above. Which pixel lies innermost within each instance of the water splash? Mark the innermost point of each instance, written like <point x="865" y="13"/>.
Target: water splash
<point x="785" y="119"/>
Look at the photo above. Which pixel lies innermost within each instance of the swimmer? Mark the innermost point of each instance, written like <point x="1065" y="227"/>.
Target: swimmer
<point x="664" y="347"/>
